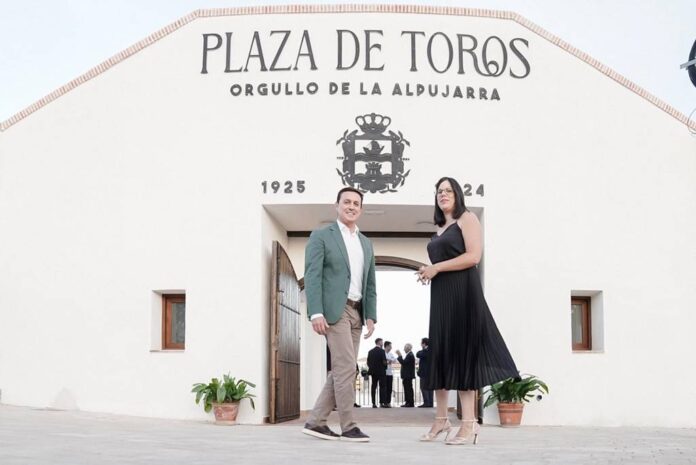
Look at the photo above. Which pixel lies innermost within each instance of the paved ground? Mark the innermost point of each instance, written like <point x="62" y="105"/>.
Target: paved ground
<point x="30" y="436"/>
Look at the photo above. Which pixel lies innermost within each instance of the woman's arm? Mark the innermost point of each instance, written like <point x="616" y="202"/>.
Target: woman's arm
<point x="471" y="232"/>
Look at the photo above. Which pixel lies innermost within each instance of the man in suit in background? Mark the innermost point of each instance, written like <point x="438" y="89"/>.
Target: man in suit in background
<point x="377" y="366"/>
<point x="423" y="369"/>
<point x="408" y="373"/>
<point x="341" y="298"/>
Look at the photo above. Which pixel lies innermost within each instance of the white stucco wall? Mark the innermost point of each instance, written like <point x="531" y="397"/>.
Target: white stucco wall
<point x="147" y="178"/>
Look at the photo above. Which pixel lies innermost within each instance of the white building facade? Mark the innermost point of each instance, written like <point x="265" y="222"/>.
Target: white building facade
<point x="171" y="168"/>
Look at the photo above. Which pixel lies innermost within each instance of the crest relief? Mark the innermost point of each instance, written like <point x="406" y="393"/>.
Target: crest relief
<point x="373" y="156"/>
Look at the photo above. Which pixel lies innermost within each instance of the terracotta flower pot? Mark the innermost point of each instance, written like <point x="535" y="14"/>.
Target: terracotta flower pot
<point x="510" y="414"/>
<point x="226" y="413"/>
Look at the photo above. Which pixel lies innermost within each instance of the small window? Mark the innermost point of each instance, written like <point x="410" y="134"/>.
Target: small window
<point x="173" y="321"/>
<point x="581" y="324"/>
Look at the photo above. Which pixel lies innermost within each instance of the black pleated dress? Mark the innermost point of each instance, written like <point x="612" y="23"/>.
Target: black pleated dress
<point x="466" y="349"/>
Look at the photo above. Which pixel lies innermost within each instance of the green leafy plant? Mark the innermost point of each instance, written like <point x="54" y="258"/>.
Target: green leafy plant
<point x="229" y="390"/>
<point x="513" y="390"/>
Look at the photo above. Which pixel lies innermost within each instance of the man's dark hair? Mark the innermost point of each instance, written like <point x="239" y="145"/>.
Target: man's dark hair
<point x="425" y="341"/>
<point x="387" y="343"/>
<point x="378" y="340"/>
<point x="459" y="207"/>
<point x="349" y="189"/>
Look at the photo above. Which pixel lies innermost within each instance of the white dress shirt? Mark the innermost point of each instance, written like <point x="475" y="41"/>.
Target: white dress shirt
<point x="356" y="259"/>
<point x="391" y="358"/>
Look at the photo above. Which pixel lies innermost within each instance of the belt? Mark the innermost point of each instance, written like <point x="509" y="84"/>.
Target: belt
<point x="353" y="304"/>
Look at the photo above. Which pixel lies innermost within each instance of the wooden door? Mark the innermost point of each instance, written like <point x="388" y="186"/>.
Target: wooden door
<point x="285" y="339"/>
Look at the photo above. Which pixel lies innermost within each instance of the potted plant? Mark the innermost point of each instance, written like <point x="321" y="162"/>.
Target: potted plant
<point x="511" y="394"/>
<point x="224" y="397"/>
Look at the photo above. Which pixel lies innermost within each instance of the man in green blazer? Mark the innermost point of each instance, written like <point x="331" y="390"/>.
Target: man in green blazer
<point x="341" y="298"/>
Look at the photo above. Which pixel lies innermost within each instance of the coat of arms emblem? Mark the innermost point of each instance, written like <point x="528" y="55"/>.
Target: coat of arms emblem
<point x="373" y="159"/>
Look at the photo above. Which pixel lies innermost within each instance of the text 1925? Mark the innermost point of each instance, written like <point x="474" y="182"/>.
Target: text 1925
<point x="283" y="187"/>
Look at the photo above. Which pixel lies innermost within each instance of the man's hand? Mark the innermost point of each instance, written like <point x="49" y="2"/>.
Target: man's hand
<point x="320" y="326"/>
<point x="370" y="329"/>
<point x="398" y="352"/>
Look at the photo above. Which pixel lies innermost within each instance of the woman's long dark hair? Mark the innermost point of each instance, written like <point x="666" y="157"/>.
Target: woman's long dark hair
<point x="459" y="207"/>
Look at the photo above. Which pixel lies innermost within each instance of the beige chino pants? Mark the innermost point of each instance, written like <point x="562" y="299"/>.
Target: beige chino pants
<point x="343" y="339"/>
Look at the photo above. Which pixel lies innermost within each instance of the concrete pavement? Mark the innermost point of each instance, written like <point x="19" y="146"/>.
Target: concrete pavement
<point x="34" y="436"/>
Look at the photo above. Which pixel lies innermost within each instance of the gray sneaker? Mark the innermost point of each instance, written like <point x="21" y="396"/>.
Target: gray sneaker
<point x="355" y="435"/>
<point x="321" y="432"/>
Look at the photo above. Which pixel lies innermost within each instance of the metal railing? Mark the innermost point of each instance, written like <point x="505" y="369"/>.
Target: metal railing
<point x="362" y="391"/>
<point x="363" y="395"/>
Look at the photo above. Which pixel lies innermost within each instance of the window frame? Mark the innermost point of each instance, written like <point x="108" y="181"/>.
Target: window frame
<point x="586" y="343"/>
<point x="167" y="301"/>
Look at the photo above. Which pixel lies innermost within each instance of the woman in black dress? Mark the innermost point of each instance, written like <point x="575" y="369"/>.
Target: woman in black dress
<point x="467" y="351"/>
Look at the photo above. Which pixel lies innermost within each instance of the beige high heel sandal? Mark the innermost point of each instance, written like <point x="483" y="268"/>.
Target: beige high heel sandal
<point x="446" y="428"/>
<point x="459" y="440"/>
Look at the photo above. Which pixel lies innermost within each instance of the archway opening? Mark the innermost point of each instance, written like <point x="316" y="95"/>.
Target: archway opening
<point x="403" y="313"/>
<point x="402" y="317"/>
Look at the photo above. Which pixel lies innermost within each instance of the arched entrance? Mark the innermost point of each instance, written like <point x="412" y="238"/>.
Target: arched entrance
<point x="285" y="359"/>
<point x="399" y="235"/>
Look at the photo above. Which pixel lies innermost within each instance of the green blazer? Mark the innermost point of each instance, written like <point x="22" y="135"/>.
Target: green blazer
<point x="327" y="275"/>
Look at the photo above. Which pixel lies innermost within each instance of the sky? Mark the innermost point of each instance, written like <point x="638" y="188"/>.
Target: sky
<point x="47" y="43"/>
